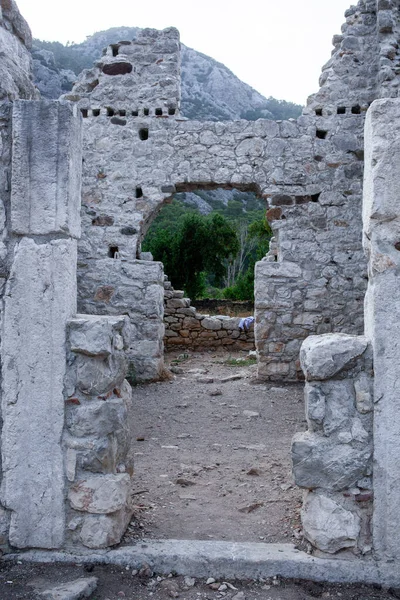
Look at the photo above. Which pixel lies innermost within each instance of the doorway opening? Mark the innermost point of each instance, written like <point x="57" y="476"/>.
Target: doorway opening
<point x="211" y="444"/>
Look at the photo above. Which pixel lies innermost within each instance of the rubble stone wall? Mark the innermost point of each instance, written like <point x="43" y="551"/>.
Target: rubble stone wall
<point x="187" y="328"/>
<point x="308" y="170"/>
<point x="96" y="439"/>
<point x="333" y="459"/>
<point x="347" y="460"/>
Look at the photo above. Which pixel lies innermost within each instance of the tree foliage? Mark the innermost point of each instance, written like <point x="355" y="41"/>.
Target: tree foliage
<point x="193" y="246"/>
<point x="215" y="252"/>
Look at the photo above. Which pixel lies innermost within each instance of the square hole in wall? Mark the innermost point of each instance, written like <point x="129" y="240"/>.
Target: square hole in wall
<point x="96" y="112"/>
<point x="321" y="134"/>
<point x="113" y="251"/>
<point x="171" y="111"/>
<point x="341" y="110"/>
<point x="318" y="112"/>
<point x="158" y="112"/>
<point x="139" y="192"/>
<point x="356" y="110"/>
<point x="144" y="134"/>
<point x="135" y="113"/>
<point x="110" y="112"/>
<point x="84" y="112"/>
<point x="146" y="112"/>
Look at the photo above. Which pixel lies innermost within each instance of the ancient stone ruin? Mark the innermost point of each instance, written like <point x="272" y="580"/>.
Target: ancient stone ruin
<point x="81" y="180"/>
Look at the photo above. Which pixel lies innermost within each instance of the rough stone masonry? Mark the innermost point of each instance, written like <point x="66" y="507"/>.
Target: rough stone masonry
<point x="138" y="150"/>
<point x="66" y="469"/>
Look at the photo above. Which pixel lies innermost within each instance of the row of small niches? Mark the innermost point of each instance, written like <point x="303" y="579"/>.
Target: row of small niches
<point x="342" y="110"/>
<point x="143" y="112"/>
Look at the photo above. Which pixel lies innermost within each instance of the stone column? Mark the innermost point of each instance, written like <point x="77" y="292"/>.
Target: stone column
<point x="381" y="217"/>
<point x="40" y="299"/>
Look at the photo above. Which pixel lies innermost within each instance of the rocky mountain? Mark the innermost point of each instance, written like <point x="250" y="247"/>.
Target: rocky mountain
<point x="210" y="91"/>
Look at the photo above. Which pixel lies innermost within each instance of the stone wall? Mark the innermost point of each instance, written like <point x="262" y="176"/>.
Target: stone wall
<point x="348" y="459"/>
<point x="96" y="438"/>
<point x="333" y="459"/>
<point x="186" y="328"/>
<point x="309" y="171"/>
<point x="40" y="297"/>
<point x="381" y="217"/>
<point x="15" y="82"/>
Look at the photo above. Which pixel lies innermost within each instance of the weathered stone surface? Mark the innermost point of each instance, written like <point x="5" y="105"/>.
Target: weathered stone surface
<point x="322" y="357"/>
<point x="327" y="525"/>
<point x="72" y="590"/>
<point x="98" y="336"/>
<point x="98" y="376"/>
<point x="101" y="495"/>
<point x="102" y="531"/>
<point x="37" y="309"/>
<point x="97" y="418"/>
<point x="16" y="64"/>
<point x="382" y="314"/>
<point x="319" y="463"/>
<point x="137" y="289"/>
<point x="338" y="401"/>
<point x="46" y="199"/>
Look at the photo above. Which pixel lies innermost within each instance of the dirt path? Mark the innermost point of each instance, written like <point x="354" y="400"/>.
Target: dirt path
<point x="212" y="449"/>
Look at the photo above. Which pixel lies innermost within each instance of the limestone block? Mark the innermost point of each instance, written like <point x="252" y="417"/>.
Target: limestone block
<point x="95" y="376"/>
<point x="321" y="463"/>
<point x="331" y="404"/>
<point x="102" y="494"/>
<point x="103" y="455"/>
<point x="4" y="526"/>
<point x="98" y="418"/>
<point x="276" y="269"/>
<point x="212" y="324"/>
<point x="40" y="299"/>
<point x="364" y="394"/>
<point x="46" y="169"/>
<point x="324" y="356"/>
<point x="191" y="323"/>
<point x="93" y="335"/>
<point x="72" y="590"/>
<point x="178" y="303"/>
<point x="102" y="531"/>
<point x="327" y="525"/>
<point x="231" y="323"/>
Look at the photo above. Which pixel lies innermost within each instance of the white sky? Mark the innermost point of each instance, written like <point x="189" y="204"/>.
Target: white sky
<point x="276" y="46"/>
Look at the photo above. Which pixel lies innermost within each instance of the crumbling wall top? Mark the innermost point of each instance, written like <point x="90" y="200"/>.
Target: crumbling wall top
<point x="140" y="76"/>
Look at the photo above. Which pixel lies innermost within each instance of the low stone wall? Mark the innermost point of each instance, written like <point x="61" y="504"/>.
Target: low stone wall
<point x="186" y="328"/>
<point x="232" y="308"/>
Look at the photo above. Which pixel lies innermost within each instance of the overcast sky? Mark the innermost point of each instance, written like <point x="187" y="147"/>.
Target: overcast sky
<point x="276" y="46"/>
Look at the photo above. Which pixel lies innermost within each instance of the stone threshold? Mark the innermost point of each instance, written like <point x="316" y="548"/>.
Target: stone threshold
<point x="227" y="560"/>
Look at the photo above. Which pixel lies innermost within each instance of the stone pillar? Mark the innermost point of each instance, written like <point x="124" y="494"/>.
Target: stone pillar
<point x="381" y="217"/>
<point x="40" y="299"/>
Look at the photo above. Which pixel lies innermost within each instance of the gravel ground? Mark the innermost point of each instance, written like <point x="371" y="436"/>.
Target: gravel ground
<point x="23" y="582"/>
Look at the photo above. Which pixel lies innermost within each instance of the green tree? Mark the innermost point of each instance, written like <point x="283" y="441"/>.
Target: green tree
<point x="196" y="245"/>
